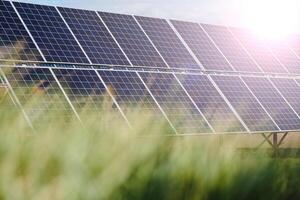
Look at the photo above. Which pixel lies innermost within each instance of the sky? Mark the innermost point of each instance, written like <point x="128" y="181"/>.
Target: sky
<point x="222" y="12"/>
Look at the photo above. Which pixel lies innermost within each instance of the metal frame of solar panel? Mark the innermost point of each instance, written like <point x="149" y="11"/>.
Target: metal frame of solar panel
<point x="201" y="79"/>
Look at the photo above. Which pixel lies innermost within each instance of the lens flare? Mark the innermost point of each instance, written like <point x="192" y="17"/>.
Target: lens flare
<point x="272" y="19"/>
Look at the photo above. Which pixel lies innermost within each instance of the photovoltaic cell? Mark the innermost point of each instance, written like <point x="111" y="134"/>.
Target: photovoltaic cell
<point x="175" y="102"/>
<point x="231" y="48"/>
<point x="132" y="40"/>
<point x="51" y="33"/>
<point x="38" y="94"/>
<point x="294" y="44"/>
<point x="290" y="90"/>
<point x="93" y="36"/>
<point x="286" y="56"/>
<point x="201" y="45"/>
<point x="276" y="106"/>
<point x="130" y="93"/>
<point x="167" y="43"/>
<point x="248" y="108"/>
<point x="259" y="51"/>
<point x="15" y="42"/>
<point x="211" y="104"/>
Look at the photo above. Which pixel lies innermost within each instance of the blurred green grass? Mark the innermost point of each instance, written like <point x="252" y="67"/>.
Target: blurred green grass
<point x="103" y="159"/>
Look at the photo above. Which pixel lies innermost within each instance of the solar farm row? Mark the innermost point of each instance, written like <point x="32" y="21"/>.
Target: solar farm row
<point x="191" y="103"/>
<point x="154" y="54"/>
<point x="64" y="35"/>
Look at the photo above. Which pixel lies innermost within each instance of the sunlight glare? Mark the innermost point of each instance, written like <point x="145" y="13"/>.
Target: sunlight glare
<point x="272" y="19"/>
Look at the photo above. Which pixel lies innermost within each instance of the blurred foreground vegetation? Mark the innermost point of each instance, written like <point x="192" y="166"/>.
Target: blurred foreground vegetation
<point x="105" y="160"/>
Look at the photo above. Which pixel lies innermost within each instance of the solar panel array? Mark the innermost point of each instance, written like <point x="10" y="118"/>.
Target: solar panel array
<point x="199" y="78"/>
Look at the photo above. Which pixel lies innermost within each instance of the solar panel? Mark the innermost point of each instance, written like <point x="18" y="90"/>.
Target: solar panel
<point x="286" y="56"/>
<point x="131" y="94"/>
<point x="175" y="102"/>
<point x="15" y="42"/>
<point x="167" y="43"/>
<point x="38" y="93"/>
<point x="132" y="40"/>
<point x="231" y="48"/>
<point x="51" y="33"/>
<point x="294" y="44"/>
<point x="290" y="89"/>
<point x="201" y="45"/>
<point x="93" y="36"/>
<point x="248" y="108"/>
<point x="212" y="105"/>
<point x="280" y="111"/>
<point x="259" y="51"/>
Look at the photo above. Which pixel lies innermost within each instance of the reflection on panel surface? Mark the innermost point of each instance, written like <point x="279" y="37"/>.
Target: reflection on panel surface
<point x="167" y="43"/>
<point x="15" y="42"/>
<point x="93" y="36"/>
<point x="132" y="39"/>
<point x="51" y="33"/>
<point x="245" y="103"/>
<point x="175" y="102"/>
<point x="212" y="105"/>
<point x="201" y="45"/>
<point x="231" y="48"/>
<point x="276" y="106"/>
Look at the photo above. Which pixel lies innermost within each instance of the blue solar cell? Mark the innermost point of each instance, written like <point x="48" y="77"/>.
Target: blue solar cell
<point x="15" y="42"/>
<point x="167" y="43"/>
<point x="231" y="48"/>
<point x="290" y="89"/>
<point x="276" y="106"/>
<point x="175" y="102"/>
<point x="248" y="108"/>
<point x="93" y="36"/>
<point x="132" y="40"/>
<point x="51" y="33"/>
<point x="202" y="46"/>
<point x="211" y="104"/>
<point x="259" y="51"/>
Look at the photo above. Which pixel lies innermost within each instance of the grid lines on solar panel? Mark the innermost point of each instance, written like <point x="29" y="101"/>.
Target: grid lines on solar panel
<point x="294" y="44"/>
<point x="88" y="94"/>
<point x="51" y="33"/>
<point x="15" y="42"/>
<point x="231" y="48"/>
<point x="276" y="106"/>
<point x="202" y="46"/>
<point x="176" y="104"/>
<point x="286" y="56"/>
<point x="212" y="105"/>
<point x="132" y="40"/>
<point x="248" y="108"/>
<point x="38" y="93"/>
<point x="167" y="43"/>
<point x="132" y="96"/>
<point x="290" y="90"/>
<point x="258" y="49"/>
<point x="93" y="36"/>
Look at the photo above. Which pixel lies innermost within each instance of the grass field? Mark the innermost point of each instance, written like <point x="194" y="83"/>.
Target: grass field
<point x="103" y="159"/>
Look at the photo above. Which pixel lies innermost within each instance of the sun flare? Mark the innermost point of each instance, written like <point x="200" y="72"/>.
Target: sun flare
<point x="272" y="19"/>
